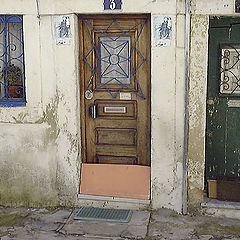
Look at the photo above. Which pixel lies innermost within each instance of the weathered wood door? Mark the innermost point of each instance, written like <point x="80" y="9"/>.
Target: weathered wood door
<point x="115" y="89"/>
<point x="223" y="99"/>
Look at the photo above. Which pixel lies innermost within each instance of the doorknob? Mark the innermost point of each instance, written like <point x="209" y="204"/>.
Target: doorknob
<point x="93" y="111"/>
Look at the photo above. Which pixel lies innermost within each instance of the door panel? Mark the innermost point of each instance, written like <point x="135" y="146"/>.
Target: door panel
<point x="223" y="99"/>
<point x="115" y="89"/>
<point x="117" y="137"/>
<point x="115" y="180"/>
<point x="116" y="160"/>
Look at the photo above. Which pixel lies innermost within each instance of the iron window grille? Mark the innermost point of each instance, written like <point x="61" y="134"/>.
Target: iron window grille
<point x="230" y="70"/>
<point x="237" y="6"/>
<point x="12" y="67"/>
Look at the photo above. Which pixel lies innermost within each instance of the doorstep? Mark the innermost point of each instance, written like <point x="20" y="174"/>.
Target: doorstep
<point x="112" y="202"/>
<point x="214" y="203"/>
<point x="219" y="208"/>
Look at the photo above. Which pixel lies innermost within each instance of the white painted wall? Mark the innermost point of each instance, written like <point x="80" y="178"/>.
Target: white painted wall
<point x="41" y="142"/>
<point x="51" y="117"/>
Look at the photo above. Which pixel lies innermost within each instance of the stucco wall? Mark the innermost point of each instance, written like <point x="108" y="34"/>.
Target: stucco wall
<point x="40" y="142"/>
<point x="48" y="167"/>
<point x="216" y="7"/>
<point x="40" y="153"/>
<point x="167" y="120"/>
<point x="197" y="112"/>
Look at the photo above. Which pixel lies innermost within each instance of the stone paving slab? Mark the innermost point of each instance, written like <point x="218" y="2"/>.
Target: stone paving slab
<point x="168" y="225"/>
<point x="136" y="228"/>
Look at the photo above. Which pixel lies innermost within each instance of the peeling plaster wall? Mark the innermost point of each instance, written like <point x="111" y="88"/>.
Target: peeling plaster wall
<point x="216" y="7"/>
<point x="49" y="166"/>
<point x="27" y="165"/>
<point x="197" y="106"/>
<point x="168" y="121"/>
<point x="39" y="156"/>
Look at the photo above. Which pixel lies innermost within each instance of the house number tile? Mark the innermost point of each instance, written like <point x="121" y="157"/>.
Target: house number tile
<point x="112" y="4"/>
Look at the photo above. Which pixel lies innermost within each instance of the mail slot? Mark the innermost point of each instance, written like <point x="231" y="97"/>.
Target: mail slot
<point x="114" y="109"/>
<point x="234" y="103"/>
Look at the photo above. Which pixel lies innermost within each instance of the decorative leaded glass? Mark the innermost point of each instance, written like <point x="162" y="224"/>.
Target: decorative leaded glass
<point x="115" y="68"/>
<point x="115" y="60"/>
<point x="230" y="71"/>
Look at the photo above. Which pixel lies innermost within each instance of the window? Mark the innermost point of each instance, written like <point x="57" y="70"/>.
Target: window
<point x="12" y="69"/>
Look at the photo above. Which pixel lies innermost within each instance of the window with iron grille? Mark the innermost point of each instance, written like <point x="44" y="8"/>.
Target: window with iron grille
<point x="12" y="68"/>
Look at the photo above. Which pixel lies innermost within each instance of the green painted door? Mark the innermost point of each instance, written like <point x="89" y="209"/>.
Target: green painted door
<point x="223" y="99"/>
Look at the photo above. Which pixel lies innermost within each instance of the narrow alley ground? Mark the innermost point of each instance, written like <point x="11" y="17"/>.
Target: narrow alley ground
<point x="58" y="224"/>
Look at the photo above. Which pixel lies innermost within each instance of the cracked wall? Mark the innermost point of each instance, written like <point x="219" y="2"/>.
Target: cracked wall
<point x="48" y="167"/>
<point x="40" y="143"/>
<point x="39" y="157"/>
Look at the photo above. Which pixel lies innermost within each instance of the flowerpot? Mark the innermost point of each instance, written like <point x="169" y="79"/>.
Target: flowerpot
<point x="15" y="91"/>
<point x="212" y="188"/>
<point x="228" y="188"/>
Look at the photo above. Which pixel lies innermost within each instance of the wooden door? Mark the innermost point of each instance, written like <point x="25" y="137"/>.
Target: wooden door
<point x="223" y="99"/>
<point x="115" y="89"/>
<point x="115" y="105"/>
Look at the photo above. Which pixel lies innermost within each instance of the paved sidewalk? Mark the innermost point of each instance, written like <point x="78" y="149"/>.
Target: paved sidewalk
<point x="58" y="224"/>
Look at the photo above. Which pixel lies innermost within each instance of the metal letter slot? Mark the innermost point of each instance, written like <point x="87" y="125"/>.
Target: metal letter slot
<point x="93" y="111"/>
<point x="115" y="109"/>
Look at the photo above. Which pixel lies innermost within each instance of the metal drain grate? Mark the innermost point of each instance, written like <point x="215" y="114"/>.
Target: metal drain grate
<point x="103" y="214"/>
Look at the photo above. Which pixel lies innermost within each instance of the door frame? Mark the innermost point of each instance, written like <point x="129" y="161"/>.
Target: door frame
<point x="197" y="95"/>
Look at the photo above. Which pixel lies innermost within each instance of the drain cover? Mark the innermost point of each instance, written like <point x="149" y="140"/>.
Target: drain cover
<point x="103" y="214"/>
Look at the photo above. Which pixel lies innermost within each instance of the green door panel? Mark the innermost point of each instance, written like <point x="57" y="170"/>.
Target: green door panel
<point x="223" y="122"/>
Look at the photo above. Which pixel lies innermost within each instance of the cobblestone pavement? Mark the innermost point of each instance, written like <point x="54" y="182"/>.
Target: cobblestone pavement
<point x="58" y="224"/>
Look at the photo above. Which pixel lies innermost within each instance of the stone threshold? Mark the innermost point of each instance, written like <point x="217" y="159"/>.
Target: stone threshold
<point x="112" y="199"/>
<point x="214" y="203"/>
<point x="112" y="202"/>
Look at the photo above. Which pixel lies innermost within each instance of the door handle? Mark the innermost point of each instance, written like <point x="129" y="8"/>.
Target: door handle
<point x="210" y="134"/>
<point x="93" y="111"/>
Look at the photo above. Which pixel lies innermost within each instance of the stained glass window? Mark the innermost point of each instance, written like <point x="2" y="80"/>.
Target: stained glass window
<point x="115" y="60"/>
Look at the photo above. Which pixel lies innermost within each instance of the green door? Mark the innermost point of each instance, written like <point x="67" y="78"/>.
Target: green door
<point x="223" y="99"/>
